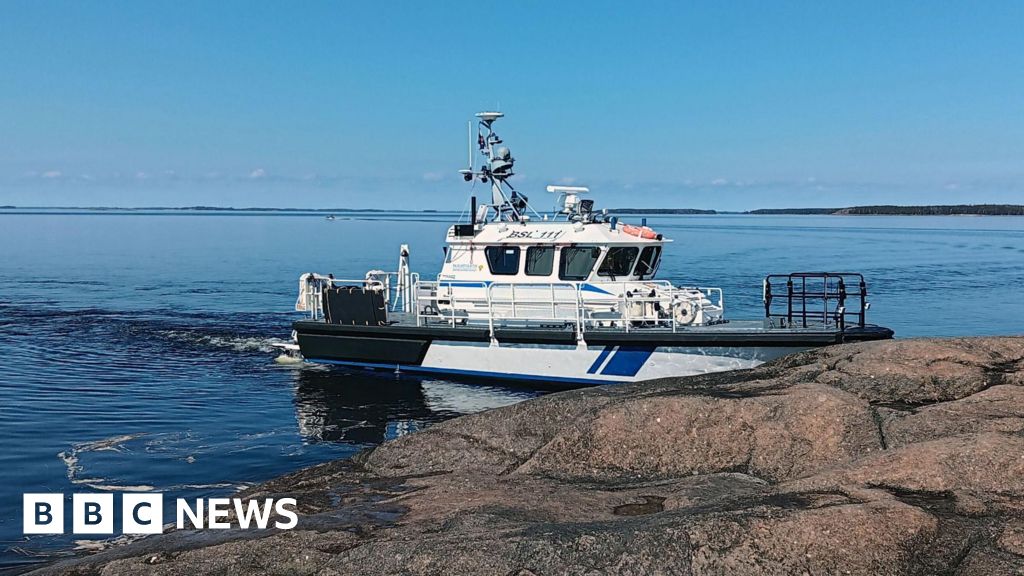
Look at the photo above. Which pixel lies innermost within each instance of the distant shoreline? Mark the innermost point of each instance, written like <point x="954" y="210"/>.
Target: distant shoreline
<point x="881" y="210"/>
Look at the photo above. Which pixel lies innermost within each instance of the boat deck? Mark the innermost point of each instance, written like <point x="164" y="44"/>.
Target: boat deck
<point x="813" y="309"/>
<point x="409" y="319"/>
<point x="731" y="333"/>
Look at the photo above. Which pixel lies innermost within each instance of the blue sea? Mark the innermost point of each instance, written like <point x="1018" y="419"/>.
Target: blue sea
<point x="137" y="353"/>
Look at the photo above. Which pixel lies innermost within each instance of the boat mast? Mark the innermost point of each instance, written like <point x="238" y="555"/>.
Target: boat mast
<point x="506" y="203"/>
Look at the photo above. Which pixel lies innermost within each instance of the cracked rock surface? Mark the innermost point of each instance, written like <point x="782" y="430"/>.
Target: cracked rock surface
<point x="897" y="457"/>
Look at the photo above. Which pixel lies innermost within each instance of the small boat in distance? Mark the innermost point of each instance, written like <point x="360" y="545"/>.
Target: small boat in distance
<point x="330" y="217"/>
<point x="567" y="297"/>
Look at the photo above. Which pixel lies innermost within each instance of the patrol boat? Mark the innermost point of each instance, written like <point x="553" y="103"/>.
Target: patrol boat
<point x="568" y="297"/>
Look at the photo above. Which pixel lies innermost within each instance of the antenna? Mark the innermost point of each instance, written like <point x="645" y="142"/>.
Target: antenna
<point x="506" y="203"/>
<point x="468" y="173"/>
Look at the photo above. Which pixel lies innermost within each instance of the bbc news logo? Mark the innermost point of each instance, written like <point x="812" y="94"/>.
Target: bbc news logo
<point x="144" y="513"/>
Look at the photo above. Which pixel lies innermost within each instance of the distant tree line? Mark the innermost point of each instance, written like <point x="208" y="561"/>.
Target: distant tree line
<point x="794" y="211"/>
<point x="953" y="210"/>
<point x="660" y="211"/>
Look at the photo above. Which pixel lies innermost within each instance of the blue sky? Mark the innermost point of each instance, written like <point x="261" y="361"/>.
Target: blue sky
<point x="732" y="105"/>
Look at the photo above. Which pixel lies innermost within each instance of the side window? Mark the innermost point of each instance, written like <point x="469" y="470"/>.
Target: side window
<point x="619" y="261"/>
<point x="540" y="260"/>
<point x="503" y="260"/>
<point x="577" y="262"/>
<point x="649" y="260"/>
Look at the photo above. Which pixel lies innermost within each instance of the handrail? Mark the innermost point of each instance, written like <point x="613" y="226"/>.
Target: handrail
<point x="826" y="287"/>
<point x="553" y="302"/>
<point x="638" y="303"/>
<point x="314" y="296"/>
<point x="395" y="294"/>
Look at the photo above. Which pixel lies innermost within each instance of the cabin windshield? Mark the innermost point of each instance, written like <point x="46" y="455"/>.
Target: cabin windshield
<point x="619" y="261"/>
<point x="650" y="258"/>
<point x="577" y="262"/>
<point x="503" y="260"/>
<point x="540" y="260"/>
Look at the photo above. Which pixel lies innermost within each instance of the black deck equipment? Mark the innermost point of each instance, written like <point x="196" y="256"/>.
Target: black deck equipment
<point x="354" y="306"/>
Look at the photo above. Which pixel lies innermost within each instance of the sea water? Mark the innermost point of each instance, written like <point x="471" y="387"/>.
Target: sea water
<point x="136" y="349"/>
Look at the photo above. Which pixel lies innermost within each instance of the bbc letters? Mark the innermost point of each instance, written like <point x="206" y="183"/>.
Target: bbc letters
<point x="95" y="513"/>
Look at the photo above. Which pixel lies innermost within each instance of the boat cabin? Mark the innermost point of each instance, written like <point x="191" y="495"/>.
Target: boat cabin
<point x="542" y="252"/>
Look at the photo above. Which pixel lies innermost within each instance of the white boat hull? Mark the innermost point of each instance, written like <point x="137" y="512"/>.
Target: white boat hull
<point x="568" y="364"/>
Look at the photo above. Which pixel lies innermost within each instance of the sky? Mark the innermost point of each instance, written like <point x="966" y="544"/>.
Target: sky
<point x="720" y="105"/>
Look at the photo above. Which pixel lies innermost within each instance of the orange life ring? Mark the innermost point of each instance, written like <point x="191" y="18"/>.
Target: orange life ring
<point x="640" y="232"/>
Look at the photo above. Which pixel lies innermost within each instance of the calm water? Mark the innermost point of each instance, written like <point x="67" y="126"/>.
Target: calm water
<point x="136" y="349"/>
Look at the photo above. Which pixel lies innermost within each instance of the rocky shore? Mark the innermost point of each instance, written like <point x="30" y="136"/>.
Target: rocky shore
<point x="898" y="457"/>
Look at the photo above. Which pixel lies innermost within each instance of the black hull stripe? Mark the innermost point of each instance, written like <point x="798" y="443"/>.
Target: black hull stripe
<point x="417" y="337"/>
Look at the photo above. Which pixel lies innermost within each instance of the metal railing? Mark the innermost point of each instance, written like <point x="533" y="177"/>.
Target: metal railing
<point x="627" y="306"/>
<point x="816" y="299"/>
<point x="660" y="308"/>
<point x="396" y="293"/>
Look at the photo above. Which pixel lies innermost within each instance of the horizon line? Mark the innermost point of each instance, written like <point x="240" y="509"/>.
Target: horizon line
<point x="1017" y="209"/>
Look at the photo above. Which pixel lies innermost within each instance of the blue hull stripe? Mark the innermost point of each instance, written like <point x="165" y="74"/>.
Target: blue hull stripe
<point x="464" y="284"/>
<point x="486" y="283"/>
<point x="627" y="360"/>
<point x="592" y="288"/>
<point x="473" y="373"/>
<point x="600" y="360"/>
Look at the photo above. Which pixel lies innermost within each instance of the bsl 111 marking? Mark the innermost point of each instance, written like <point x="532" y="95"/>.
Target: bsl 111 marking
<point x="534" y="235"/>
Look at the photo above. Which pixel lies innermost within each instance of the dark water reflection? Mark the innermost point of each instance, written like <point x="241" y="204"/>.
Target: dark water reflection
<point x="365" y="411"/>
<point x="368" y="408"/>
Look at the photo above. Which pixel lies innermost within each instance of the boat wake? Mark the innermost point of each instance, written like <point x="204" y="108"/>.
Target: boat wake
<point x="122" y="444"/>
<point x="247" y="344"/>
<point x="112" y="444"/>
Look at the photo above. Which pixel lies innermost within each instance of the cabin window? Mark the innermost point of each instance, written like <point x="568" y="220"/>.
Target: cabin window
<point x="503" y="260"/>
<point x="577" y="262"/>
<point x="650" y="258"/>
<point x="618" y="261"/>
<point x="540" y="260"/>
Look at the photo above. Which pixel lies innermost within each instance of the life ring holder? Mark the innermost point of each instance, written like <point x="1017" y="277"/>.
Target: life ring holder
<point x="641" y="232"/>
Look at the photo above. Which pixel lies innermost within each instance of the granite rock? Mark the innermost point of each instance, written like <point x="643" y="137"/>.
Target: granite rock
<point x="897" y="457"/>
